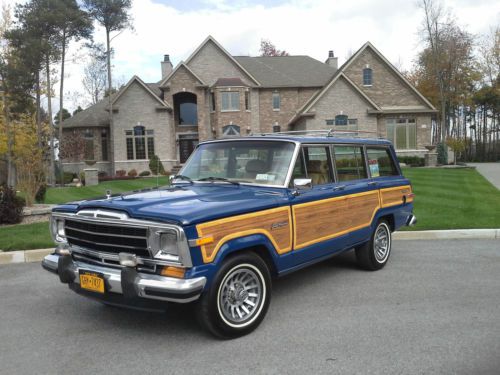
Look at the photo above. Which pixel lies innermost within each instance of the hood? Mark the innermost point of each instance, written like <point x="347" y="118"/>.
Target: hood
<point x="190" y="204"/>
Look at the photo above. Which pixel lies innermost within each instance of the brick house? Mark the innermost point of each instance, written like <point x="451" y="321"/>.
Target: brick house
<point x="214" y="94"/>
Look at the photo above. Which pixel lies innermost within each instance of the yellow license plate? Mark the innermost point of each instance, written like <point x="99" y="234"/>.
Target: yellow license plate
<point x="92" y="281"/>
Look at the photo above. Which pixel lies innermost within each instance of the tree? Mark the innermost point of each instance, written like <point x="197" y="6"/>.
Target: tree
<point x="269" y="49"/>
<point x="59" y="117"/>
<point x="79" y="109"/>
<point x="94" y="79"/>
<point x="114" y="17"/>
<point x="72" y="23"/>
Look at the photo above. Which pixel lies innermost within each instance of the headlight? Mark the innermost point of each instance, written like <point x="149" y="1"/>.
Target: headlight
<point x="57" y="230"/>
<point x="165" y="244"/>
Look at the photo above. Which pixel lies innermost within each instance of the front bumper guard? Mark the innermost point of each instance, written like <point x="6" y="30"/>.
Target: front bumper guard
<point x="127" y="281"/>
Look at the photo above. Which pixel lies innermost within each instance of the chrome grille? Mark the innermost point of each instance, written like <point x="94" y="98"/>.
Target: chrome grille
<point x="107" y="238"/>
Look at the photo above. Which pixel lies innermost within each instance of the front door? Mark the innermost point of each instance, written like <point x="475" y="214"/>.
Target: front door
<point x="187" y="144"/>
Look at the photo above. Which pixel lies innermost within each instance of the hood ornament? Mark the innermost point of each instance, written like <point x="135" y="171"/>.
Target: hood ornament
<point x="108" y="195"/>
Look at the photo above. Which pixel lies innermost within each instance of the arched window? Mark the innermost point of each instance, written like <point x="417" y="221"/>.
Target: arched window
<point x="341" y="120"/>
<point x="231" y="131"/>
<point x="367" y="77"/>
<point x="185" y="108"/>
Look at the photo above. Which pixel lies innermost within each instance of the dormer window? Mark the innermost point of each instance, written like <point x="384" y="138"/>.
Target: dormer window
<point x="367" y="76"/>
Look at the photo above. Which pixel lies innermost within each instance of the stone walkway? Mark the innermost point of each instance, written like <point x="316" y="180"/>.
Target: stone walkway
<point x="491" y="171"/>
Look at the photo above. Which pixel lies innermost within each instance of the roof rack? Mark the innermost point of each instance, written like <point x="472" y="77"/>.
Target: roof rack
<point x="321" y="133"/>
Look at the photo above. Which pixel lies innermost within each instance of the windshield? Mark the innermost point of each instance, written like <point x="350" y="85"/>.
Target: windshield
<point x="258" y="162"/>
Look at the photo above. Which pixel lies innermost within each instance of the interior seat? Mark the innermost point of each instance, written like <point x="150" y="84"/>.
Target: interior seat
<point x="317" y="170"/>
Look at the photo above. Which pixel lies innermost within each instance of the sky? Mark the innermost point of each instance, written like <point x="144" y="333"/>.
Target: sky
<point x="305" y="27"/>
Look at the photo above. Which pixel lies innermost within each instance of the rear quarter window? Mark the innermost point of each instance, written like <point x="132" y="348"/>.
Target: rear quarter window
<point x="380" y="162"/>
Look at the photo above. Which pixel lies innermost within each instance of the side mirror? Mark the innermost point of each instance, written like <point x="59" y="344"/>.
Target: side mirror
<point x="171" y="177"/>
<point x="302" y="183"/>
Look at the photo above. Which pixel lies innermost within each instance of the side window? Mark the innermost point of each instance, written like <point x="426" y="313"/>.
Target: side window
<point x="380" y="162"/>
<point x="299" y="170"/>
<point x="349" y="162"/>
<point x="318" y="168"/>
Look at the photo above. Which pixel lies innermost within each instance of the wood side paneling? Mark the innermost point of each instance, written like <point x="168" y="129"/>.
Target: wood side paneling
<point x="394" y="196"/>
<point x="329" y="218"/>
<point x="223" y="230"/>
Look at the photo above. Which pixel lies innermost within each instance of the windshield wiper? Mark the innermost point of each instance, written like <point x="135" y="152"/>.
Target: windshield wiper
<point x="182" y="177"/>
<point x="213" y="179"/>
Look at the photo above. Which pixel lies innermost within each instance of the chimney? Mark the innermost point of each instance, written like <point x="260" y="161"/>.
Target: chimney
<point x="166" y="66"/>
<point x="332" y="60"/>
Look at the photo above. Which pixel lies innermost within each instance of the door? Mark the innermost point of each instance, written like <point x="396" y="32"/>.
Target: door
<point x="187" y="144"/>
<point x="318" y="212"/>
<point x="362" y="195"/>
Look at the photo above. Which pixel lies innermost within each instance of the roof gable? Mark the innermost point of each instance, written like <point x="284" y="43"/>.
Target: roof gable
<point x="210" y="41"/>
<point x="144" y="86"/>
<point x="368" y="47"/>
<point x="183" y="65"/>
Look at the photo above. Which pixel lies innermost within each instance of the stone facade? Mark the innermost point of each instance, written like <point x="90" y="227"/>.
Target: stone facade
<point x="210" y="71"/>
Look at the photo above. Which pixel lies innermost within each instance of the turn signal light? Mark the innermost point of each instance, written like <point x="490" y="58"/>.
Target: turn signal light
<point x="173" y="271"/>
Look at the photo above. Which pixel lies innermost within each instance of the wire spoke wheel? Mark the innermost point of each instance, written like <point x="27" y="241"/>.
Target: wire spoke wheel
<point x="381" y="244"/>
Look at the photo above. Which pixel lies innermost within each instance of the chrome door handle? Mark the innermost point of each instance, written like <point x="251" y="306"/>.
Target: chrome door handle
<point x="372" y="183"/>
<point x="337" y="188"/>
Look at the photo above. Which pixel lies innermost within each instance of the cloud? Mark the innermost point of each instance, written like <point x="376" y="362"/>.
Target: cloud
<point x="306" y="27"/>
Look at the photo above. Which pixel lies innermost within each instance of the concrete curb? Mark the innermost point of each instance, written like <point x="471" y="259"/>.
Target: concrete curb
<point x="28" y="256"/>
<point x="453" y="234"/>
<point x="24" y="256"/>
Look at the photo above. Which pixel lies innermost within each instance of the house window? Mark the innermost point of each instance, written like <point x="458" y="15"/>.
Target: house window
<point x="330" y="122"/>
<point x="88" y="137"/>
<point x="276" y="128"/>
<point x="230" y="101"/>
<point x="104" y="144"/>
<point x="212" y="101"/>
<point x="402" y="132"/>
<point x="140" y="143"/>
<point x="276" y="101"/>
<point x="341" y="120"/>
<point x="367" y="77"/>
<point x="231" y="131"/>
<point x="247" y="100"/>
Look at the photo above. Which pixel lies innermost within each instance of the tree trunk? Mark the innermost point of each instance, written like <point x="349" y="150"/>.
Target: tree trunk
<point x="110" y="104"/>
<point x="51" y="127"/>
<point x="61" y="105"/>
<point x="10" y="174"/>
<point x="38" y="113"/>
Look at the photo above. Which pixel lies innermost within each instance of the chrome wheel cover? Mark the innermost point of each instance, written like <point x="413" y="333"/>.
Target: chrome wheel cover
<point x="241" y="295"/>
<point x="382" y="243"/>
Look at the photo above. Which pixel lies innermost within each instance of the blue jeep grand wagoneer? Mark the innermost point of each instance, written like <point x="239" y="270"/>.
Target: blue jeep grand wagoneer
<point x="240" y="212"/>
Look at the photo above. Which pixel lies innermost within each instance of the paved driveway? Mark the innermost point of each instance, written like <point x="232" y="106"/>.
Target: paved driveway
<point x="433" y="309"/>
<point x="491" y="171"/>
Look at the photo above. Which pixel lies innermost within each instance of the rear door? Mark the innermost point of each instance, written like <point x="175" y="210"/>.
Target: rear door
<point x="361" y="193"/>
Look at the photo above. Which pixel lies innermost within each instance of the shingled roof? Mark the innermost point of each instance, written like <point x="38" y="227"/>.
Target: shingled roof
<point x="287" y="71"/>
<point x="97" y="115"/>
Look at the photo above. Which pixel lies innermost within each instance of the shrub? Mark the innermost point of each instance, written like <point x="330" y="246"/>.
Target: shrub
<point x="82" y="177"/>
<point x="156" y="166"/>
<point x="132" y="173"/>
<point x="101" y="174"/>
<point x="11" y="206"/>
<point x="67" y="178"/>
<point x="40" y="194"/>
<point x="442" y="154"/>
<point x="414" y="161"/>
<point x="121" y="173"/>
<point x="145" y="173"/>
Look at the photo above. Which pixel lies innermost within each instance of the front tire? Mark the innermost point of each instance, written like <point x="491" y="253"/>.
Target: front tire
<point x="239" y="297"/>
<point x="374" y="254"/>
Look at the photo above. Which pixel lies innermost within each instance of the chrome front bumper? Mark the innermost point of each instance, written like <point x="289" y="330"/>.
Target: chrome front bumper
<point x="127" y="281"/>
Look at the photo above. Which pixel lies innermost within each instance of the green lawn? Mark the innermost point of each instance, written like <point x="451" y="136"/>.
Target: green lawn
<point x="24" y="237"/>
<point x="453" y="199"/>
<point x="445" y="199"/>
<point x="68" y="194"/>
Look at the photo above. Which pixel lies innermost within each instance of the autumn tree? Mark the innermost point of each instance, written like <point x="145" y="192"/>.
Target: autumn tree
<point x="269" y="49"/>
